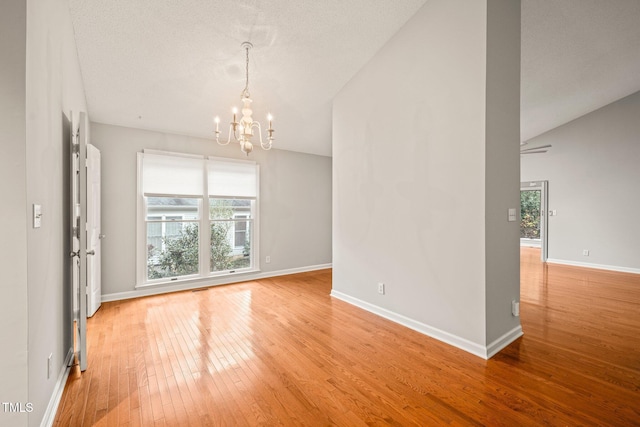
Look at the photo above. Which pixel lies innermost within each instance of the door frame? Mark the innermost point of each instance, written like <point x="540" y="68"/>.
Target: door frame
<point x="78" y="201"/>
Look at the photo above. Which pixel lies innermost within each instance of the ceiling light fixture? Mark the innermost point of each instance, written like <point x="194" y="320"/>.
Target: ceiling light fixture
<point x="243" y="130"/>
<point x="534" y="150"/>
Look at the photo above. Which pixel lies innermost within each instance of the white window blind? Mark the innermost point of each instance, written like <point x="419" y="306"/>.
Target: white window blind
<point x="172" y="175"/>
<point x="232" y="178"/>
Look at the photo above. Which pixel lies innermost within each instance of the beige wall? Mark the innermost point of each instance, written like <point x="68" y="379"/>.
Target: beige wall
<point x="295" y="203"/>
<point x="48" y="76"/>
<point x="593" y="174"/>
<point x="13" y="245"/>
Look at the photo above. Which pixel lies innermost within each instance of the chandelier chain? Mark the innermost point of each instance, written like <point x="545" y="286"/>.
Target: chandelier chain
<point x="245" y="92"/>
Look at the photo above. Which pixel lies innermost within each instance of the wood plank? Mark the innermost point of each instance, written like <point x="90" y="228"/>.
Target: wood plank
<point x="281" y="351"/>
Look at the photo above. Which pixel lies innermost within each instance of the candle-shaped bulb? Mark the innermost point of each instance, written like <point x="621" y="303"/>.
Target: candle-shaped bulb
<point x="235" y="111"/>
<point x="217" y="120"/>
<point x="270" y="118"/>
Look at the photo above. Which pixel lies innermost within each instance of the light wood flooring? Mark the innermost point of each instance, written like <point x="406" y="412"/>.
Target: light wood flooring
<point x="281" y="351"/>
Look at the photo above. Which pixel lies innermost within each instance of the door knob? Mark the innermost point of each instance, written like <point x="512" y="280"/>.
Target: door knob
<point x="91" y="252"/>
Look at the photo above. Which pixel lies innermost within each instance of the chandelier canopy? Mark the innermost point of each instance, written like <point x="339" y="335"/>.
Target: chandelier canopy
<point x="243" y="130"/>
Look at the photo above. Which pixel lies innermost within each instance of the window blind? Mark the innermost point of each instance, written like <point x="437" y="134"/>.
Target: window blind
<point x="172" y="175"/>
<point x="228" y="178"/>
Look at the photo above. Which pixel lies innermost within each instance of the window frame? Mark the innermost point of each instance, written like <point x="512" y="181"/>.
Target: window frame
<point x="165" y="219"/>
<point x="251" y="218"/>
<point x="204" y="222"/>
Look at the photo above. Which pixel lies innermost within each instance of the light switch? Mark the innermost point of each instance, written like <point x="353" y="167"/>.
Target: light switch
<point x="37" y="216"/>
<point x="512" y="214"/>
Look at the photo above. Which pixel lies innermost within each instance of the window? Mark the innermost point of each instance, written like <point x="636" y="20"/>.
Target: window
<point x="172" y="236"/>
<point x="530" y="214"/>
<point x="179" y="196"/>
<point x="232" y="199"/>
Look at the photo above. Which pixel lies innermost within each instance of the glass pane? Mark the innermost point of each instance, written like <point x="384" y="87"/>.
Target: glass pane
<point x="240" y="233"/>
<point x="530" y="214"/>
<point x="172" y="208"/>
<point x="227" y="253"/>
<point x="154" y="235"/>
<point x="175" y="252"/>
<point x="229" y="208"/>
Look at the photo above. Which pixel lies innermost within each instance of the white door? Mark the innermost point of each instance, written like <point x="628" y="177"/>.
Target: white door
<point x="93" y="230"/>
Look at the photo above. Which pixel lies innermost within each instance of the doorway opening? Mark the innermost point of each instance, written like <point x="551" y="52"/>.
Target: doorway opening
<point x="534" y="230"/>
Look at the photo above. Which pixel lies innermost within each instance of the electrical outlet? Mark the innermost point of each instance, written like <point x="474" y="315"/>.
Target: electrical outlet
<point x="585" y="252"/>
<point x="49" y="365"/>
<point x="515" y="308"/>
<point x="267" y="259"/>
<point x="37" y="216"/>
<point x="381" y="288"/>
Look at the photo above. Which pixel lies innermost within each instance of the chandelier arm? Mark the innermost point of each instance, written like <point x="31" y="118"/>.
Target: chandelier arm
<point x="257" y="125"/>
<point x="235" y="131"/>
<point x="228" y="138"/>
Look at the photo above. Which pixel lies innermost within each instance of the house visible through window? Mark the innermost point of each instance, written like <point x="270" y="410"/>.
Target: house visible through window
<point x="174" y="193"/>
<point x="241" y="230"/>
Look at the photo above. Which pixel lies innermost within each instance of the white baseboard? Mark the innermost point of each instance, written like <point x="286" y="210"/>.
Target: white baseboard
<point x="201" y="283"/>
<point x="596" y="266"/>
<point x="503" y="341"/>
<point x="52" y="408"/>
<point x="440" y="335"/>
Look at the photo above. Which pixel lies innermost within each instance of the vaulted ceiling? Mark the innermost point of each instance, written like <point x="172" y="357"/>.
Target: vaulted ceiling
<point x="171" y="66"/>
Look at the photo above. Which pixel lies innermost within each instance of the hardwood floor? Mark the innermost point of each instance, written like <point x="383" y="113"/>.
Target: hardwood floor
<point x="281" y="351"/>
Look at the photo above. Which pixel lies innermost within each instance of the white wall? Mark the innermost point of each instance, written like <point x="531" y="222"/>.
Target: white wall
<point x="416" y="132"/>
<point x="594" y="178"/>
<point x="53" y="89"/>
<point x="13" y="245"/>
<point x="295" y="202"/>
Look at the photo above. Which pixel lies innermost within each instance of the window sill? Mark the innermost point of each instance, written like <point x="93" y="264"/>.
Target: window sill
<point x="212" y="279"/>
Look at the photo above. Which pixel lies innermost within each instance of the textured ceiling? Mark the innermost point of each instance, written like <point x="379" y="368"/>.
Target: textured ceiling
<point x="171" y="66"/>
<point x="577" y="56"/>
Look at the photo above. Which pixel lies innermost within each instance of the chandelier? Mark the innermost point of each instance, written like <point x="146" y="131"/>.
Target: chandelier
<point x="243" y="130"/>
